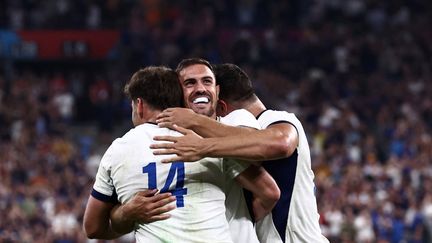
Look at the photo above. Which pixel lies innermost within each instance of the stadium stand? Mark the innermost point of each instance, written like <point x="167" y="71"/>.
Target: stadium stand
<point x="358" y="73"/>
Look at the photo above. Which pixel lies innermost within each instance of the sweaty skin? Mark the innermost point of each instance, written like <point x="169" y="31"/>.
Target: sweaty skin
<point x="275" y="142"/>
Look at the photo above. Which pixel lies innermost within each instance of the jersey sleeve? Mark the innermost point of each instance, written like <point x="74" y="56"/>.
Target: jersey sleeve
<point x="232" y="167"/>
<point x="240" y="117"/>
<point x="270" y="117"/>
<point x="103" y="188"/>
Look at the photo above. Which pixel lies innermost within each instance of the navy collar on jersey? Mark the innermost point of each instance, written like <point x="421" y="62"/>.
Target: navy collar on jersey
<point x="261" y="113"/>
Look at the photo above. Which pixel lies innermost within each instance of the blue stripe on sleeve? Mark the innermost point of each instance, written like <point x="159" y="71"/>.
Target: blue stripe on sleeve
<point x="105" y="198"/>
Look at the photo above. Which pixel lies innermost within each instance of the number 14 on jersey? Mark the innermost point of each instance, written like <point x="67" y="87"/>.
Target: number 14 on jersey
<point x="177" y="168"/>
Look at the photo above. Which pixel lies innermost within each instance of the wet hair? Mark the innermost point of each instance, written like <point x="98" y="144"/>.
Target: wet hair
<point x="234" y="83"/>
<point x="193" y="61"/>
<point x="158" y="86"/>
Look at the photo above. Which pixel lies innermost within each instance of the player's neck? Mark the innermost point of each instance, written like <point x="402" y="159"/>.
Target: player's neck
<point x="255" y="107"/>
<point x="151" y="116"/>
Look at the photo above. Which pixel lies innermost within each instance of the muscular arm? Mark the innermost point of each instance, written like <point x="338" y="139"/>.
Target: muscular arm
<point x="277" y="141"/>
<point x="202" y="125"/>
<point x="265" y="191"/>
<point x="96" y="223"/>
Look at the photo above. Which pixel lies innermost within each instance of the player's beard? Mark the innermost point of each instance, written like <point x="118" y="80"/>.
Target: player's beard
<point x="209" y="109"/>
<point x="206" y="112"/>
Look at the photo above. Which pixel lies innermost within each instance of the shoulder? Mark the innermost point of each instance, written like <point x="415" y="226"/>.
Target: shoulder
<point x="124" y="141"/>
<point x="143" y="133"/>
<point x="128" y="142"/>
<point x="240" y="117"/>
<point x="270" y="117"/>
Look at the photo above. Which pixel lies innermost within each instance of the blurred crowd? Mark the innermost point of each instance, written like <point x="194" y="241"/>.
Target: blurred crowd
<point x="356" y="72"/>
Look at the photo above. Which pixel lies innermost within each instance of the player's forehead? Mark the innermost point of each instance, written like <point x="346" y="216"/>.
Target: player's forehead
<point x="196" y="71"/>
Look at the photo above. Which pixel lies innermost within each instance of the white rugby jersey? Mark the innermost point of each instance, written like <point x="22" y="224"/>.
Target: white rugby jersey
<point x="239" y="219"/>
<point x="295" y="216"/>
<point x="129" y="166"/>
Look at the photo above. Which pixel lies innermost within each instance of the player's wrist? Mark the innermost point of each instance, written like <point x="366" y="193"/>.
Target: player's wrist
<point x="194" y="122"/>
<point x="124" y="213"/>
<point x="121" y="222"/>
<point x="208" y="147"/>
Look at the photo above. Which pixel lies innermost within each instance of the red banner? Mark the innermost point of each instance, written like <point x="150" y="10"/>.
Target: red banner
<point x="55" y="44"/>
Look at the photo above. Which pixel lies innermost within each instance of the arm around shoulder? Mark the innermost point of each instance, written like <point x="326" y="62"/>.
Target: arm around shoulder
<point x="203" y="125"/>
<point x="282" y="140"/>
<point x="275" y="142"/>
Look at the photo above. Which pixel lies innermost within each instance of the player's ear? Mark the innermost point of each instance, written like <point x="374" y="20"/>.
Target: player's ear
<point x="140" y="107"/>
<point x="221" y="108"/>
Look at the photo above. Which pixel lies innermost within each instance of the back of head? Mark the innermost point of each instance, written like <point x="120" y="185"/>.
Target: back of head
<point x="235" y="85"/>
<point x="158" y="86"/>
<point x="192" y="61"/>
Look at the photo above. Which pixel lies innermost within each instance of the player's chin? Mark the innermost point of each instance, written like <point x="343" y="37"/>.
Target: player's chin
<point x="200" y="109"/>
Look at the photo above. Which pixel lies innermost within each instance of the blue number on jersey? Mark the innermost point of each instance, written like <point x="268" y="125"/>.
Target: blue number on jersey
<point x="179" y="191"/>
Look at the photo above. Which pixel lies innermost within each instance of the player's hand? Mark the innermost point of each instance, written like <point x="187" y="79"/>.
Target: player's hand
<point x="188" y="148"/>
<point x="183" y="117"/>
<point x="148" y="206"/>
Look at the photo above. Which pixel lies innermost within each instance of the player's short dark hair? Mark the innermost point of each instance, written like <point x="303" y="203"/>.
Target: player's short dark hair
<point x="234" y="83"/>
<point x="192" y="61"/>
<point x="157" y="86"/>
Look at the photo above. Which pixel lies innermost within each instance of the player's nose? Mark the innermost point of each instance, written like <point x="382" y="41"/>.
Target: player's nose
<point x="200" y="86"/>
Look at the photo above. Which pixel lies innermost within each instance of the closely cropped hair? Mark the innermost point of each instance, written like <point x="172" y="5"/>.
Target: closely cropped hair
<point x="234" y="83"/>
<point x="158" y="86"/>
<point x="192" y="61"/>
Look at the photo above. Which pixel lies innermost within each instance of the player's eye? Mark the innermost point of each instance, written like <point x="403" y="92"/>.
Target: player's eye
<point x="208" y="81"/>
<point x="188" y="83"/>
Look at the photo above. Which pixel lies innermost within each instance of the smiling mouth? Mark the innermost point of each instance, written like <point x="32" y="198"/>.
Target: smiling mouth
<point x="201" y="100"/>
